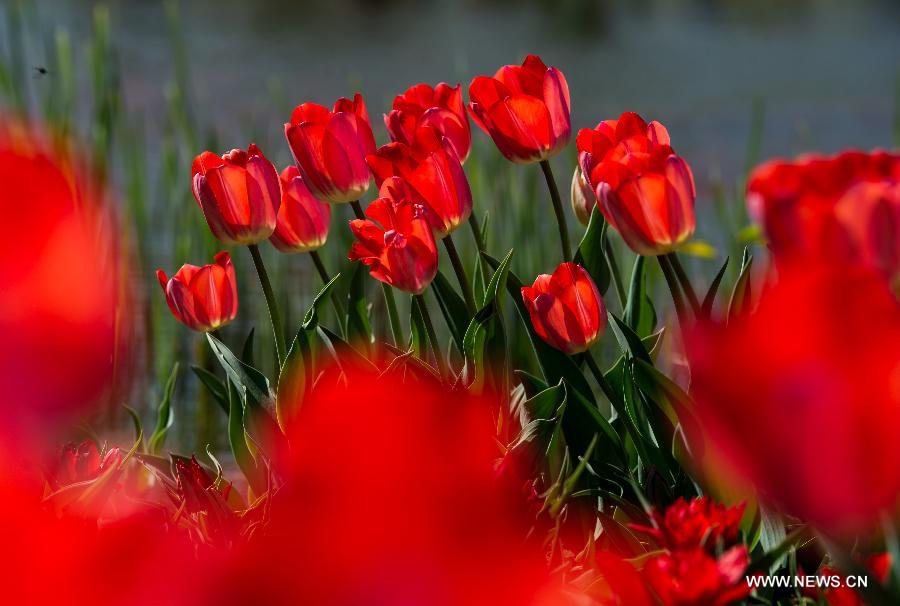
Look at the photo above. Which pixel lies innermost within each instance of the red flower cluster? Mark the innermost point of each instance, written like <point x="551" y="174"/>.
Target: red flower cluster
<point x="642" y="187"/>
<point x="844" y="208"/>
<point x="699" y="522"/>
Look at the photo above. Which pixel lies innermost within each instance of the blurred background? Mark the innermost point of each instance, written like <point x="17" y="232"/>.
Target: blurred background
<point x="145" y="85"/>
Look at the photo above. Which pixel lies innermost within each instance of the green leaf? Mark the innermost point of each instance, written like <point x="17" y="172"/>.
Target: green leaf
<point x="453" y="308"/>
<point x="165" y="417"/>
<point x="359" y="327"/>
<point x="250" y="382"/>
<point x="138" y="426"/>
<point x="710" y="299"/>
<point x="292" y="387"/>
<point x="639" y="313"/>
<point x="741" y="295"/>
<point x="311" y="319"/>
<point x="628" y="340"/>
<point x="214" y="384"/>
<point x="237" y="440"/>
<point x="484" y="344"/>
<point x="418" y="335"/>
<point x="591" y="252"/>
<point x="343" y="353"/>
<point x="247" y="350"/>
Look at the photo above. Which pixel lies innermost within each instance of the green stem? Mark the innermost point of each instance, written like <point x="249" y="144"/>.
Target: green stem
<point x="607" y="389"/>
<point x="460" y="274"/>
<point x="614" y="270"/>
<point x="432" y="335"/>
<point x="323" y="273"/>
<point x="271" y="303"/>
<point x="558" y="209"/>
<point x="393" y="316"/>
<point x="482" y="248"/>
<point x="672" y="281"/>
<point x="684" y="282"/>
<point x="357" y="209"/>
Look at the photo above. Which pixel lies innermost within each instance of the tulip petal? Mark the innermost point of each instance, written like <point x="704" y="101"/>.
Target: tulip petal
<point x="556" y="98"/>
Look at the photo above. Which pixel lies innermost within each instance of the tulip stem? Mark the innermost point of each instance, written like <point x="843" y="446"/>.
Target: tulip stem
<point x="271" y="303"/>
<point x="323" y="273"/>
<point x="672" y="281"/>
<point x="357" y="210"/>
<point x="614" y="270"/>
<point x="393" y="316"/>
<point x="684" y="281"/>
<point x="558" y="209"/>
<point x="432" y="335"/>
<point x="460" y="274"/>
<point x="482" y="247"/>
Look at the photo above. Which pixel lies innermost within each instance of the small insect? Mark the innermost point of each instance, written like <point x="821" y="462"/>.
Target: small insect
<point x="41" y="71"/>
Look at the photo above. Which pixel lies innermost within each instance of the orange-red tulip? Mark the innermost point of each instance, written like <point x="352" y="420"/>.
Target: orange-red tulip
<point x="436" y="176"/>
<point x="239" y="193"/>
<point x="643" y="188"/>
<point x="330" y="148"/>
<point x="397" y="243"/>
<point x="821" y="209"/>
<point x="816" y="371"/>
<point x="423" y="113"/>
<point x="202" y="298"/>
<point x="566" y="308"/>
<point x="525" y="110"/>
<point x="302" y="219"/>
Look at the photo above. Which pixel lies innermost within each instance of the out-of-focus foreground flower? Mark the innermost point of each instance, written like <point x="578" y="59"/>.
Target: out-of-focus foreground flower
<point x="803" y="396"/>
<point x="60" y="270"/>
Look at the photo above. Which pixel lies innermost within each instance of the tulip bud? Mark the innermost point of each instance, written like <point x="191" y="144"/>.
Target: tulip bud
<point x="302" y="219"/>
<point x="583" y="197"/>
<point x="202" y="298"/>
<point x="566" y="308"/>
<point x="239" y="194"/>
<point x="645" y="191"/>
<point x="422" y="111"/>
<point x="525" y="110"/>
<point x="436" y="177"/>
<point x="401" y="251"/>
<point x="330" y="148"/>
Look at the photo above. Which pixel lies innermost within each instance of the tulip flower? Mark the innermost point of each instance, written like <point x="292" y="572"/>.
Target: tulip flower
<point x="202" y="298"/>
<point x="697" y="523"/>
<point x="397" y="243"/>
<point x="816" y="371"/>
<point x="423" y="113"/>
<point x="820" y="209"/>
<point x="525" y="110"/>
<point x="239" y="193"/>
<point x="695" y="578"/>
<point x="302" y="219"/>
<point x="434" y="174"/>
<point x="583" y="197"/>
<point x="566" y="308"/>
<point x="330" y="148"/>
<point x="645" y="191"/>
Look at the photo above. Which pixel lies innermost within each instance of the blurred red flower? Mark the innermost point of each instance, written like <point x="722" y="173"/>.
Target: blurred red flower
<point x="79" y="463"/>
<point x="643" y="188"/>
<point x="330" y="148"/>
<point x="878" y="565"/>
<point x="436" y="176"/>
<point x="303" y="219"/>
<point x="239" y="193"/>
<point x="61" y="270"/>
<point x="202" y="298"/>
<point x="397" y="243"/>
<point x="423" y="113"/>
<point x="566" y="308"/>
<point x="803" y="396"/>
<point x="525" y="109"/>
<point x="820" y="209"/>
<point x="696" y="578"/>
<point x="699" y="522"/>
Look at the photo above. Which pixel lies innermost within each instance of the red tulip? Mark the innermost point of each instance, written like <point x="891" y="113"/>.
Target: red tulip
<point x="700" y="522"/>
<point x="239" y="194"/>
<point x="695" y="578"/>
<point x="330" y="148"/>
<point x="819" y="209"/>
<point x="60" y="286"/>
<point x="202" y="298"/>
<point x="401" y="251"/>
<point x="642" y="187"/>
<point x="583" y="197"/>
<point x="816" y="372"/>
<point x="434" y="174"/>
<point x="525" y="110"/>
<point x="422" y="114"/>
<point x="566" y="308"/>
<point x="302" y="219"/>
